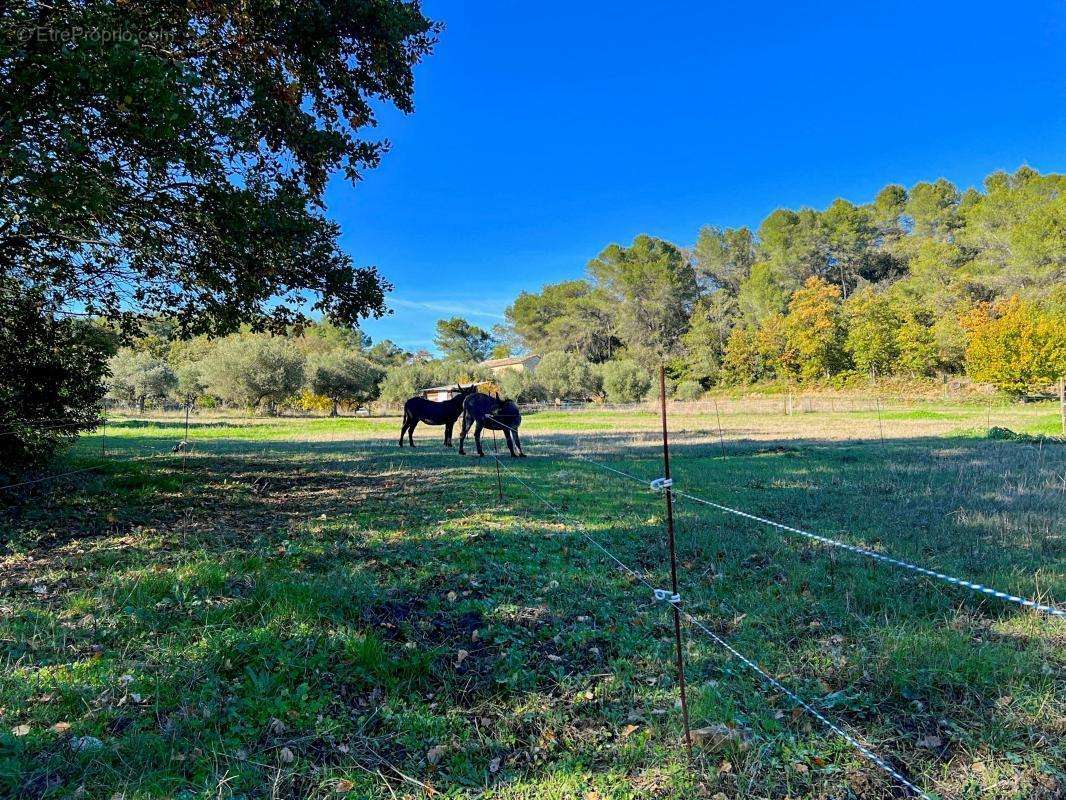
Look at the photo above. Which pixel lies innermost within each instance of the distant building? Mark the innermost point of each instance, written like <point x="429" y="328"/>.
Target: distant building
<point x="441" y="393"/>
<point x="514" y="364"/>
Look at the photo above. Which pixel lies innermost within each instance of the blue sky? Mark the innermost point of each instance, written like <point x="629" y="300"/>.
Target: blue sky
<point x="543" y="132"/>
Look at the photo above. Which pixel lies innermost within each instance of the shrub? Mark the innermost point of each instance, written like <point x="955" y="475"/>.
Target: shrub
<point x="688" y="390"/>
<point x="625" y="381"/>
<point x="51" y="378"/>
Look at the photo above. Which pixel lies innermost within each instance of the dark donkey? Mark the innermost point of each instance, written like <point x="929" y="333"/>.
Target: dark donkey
<point x="483" y="411"/>
<point x="432" y="412"/>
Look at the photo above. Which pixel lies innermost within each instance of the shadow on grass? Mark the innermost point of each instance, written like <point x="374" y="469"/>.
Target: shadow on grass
<point x="316" y="597"/>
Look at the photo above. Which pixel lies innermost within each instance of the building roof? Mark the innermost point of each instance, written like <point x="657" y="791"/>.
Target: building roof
<point x="451" y="387"/>
<point x="506" y="362"/>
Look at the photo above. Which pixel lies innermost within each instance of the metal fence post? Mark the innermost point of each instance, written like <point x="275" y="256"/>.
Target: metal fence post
<point x="668" y="494"/>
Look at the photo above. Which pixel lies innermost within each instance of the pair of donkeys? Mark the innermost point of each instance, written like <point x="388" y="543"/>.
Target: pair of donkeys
<point x="478" y="410"/>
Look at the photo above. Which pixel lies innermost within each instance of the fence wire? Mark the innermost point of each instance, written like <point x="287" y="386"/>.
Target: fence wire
<point x="1044" y="608"/>
<point x="675" y="602"/>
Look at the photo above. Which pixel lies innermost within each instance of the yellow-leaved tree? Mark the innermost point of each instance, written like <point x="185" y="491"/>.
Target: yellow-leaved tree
<point x="1015" y="345"/>
<point x="816" y="330"/>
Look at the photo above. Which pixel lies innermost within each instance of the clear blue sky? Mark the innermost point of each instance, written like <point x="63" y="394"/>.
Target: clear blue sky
<point x="545" y="131"/>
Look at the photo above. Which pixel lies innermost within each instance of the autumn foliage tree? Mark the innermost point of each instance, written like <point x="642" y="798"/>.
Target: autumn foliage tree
<point x="815" y="328"/>
<point x="1015" y="346"/>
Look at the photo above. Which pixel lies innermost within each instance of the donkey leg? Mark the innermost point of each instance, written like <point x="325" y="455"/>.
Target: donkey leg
<point x="448" y="426"/>
<point x="507" y="438"/>
<point x="477" y="438"/>
<point x="403" y="428"/>
<point x="518" y="444"/>
<point x="411" y="432"/>
<point x="462" y="434"/>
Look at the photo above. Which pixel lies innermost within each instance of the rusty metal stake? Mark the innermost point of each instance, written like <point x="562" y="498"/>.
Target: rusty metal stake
<point x="668" y="493"/>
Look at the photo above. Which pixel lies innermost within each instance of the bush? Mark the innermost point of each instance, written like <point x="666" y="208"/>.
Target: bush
<point x="522" y="387"/>
<point x="567" y="375"/>
<point x="51" y="378"/>
<point x="625" y="381"/>
<point x="688" y="390"/>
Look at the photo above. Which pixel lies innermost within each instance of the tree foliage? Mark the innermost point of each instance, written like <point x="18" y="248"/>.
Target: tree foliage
<point x="173" y="157"/>
<point x="567" y="375"/>
<point x="345" y="377"/>
<point x="459" y="340"/>
<point x="139" y="377"/>
<point x="1015" y="346"/>
<point x="254" y="370"/>
<point x="625" y="381"/>
<point x="51" y="377"/>
<point x="653" y="285"/>
<point x="876" y="289"/>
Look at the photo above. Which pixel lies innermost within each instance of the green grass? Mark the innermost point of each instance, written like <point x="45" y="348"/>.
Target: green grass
<point x="301" y="609"/>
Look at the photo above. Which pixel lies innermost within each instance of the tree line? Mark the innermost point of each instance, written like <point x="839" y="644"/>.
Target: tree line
<point x="919" y="283"/>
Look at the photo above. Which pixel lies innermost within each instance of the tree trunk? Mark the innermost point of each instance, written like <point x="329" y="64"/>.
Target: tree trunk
<point x="333" y="413"/>
<point x="140" y="403"/>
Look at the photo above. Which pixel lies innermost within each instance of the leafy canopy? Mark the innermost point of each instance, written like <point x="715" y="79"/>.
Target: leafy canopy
<point x="458" y="339"/>
<point x="173" y="156"/>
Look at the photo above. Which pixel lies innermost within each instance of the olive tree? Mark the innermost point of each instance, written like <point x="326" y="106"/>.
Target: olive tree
<point x="625" y="381"/>
<point x="345" y="376"/>
<point x="139" y="376"/>
<point x="252" y="370"/>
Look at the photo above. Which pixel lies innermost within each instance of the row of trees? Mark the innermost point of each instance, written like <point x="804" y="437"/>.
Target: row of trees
<point x="916" y="283"/>
<point x="325" y="367"/>
<point x="319" y="368"/>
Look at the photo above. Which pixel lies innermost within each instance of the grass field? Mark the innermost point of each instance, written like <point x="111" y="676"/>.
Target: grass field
<point x="298" y="608"/>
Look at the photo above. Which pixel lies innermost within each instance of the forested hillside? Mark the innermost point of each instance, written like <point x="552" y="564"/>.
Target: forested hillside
<point x="920" y="282"/>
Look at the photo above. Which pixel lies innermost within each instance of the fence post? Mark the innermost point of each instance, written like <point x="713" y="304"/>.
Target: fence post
<point x="1062" y="403"/>
<point x="669" y="495"/>
<point x="103" y="437"/>
<point x="721" y="436"/>
<point x="496" y="458"/>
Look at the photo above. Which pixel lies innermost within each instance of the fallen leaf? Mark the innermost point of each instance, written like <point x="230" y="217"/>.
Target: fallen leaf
<point x="343" y="787"/>
<point x="61" y="727"/>
<point x="930" y="741"/>
<point x="461" y="656"/>
<point x="20" y="730"/>
<point x="494" y="766"/>
<point x="286" y="756"/>
<point x="715" y="737"/>
<point x="452" y="597"/>
<point x="433" y="755"/>
<point x="629" y="730"/>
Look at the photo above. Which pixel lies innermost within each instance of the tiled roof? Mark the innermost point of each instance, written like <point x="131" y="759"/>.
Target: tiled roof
<point x="506" y="362"/>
